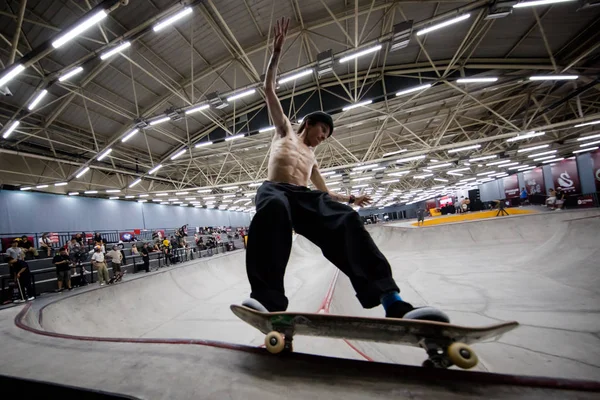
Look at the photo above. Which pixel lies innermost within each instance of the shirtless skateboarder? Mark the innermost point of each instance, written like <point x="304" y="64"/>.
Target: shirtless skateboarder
<point x="284" y="202"/>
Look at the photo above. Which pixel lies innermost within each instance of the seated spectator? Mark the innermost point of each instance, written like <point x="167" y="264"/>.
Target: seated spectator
<point x="117" y="260"/>
<point x="561" y="197"/>
<point x="76" y="252"/>
<point x="63" y="264"/>
<point x="134" y="250"/>
<point x="551" y="200"/>
<point x="156" y="247"/>
<point x="14" y="251"/>
<point x="98" y="239"/>
<point x="27" y="247"/>
<point x="200" y="244"/>
<point x="45" y="244"/>
<point x="20" y="273"/>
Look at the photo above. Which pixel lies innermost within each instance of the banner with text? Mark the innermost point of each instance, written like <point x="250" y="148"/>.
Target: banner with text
<point x="596" y="168"/>
<point x="534" y="182"/>
<point x="566" y="177"/>
<point x="511" y="187"/>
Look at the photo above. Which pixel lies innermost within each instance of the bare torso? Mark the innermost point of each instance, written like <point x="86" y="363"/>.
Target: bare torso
<point x="290" y="161"/>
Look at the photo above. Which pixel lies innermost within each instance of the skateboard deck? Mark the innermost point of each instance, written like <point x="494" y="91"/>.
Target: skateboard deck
<point x="446" y="344"/>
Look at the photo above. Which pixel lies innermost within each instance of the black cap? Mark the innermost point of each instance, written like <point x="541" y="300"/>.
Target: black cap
<point x="320" y="116"/>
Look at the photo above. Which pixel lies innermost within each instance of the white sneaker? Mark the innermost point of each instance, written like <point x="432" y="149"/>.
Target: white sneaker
<point x="102" y="284"/>
<point x="18" y="301"/>
<point x="31" y="298"/>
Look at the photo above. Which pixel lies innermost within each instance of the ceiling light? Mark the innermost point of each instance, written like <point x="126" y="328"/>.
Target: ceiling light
<point x="413" y="89"/>
<point x="197" y="109"/>
<point x="538" y="3"/>
<point x="360" y="53"/>
<point x="588" y="137"/>
<point x="443" y="24"/>
<point x="181" y="193"/>
<point x="519" y="166"/>
<point x="61" y="184"/>
<point x="475" y="146"/>
<point x="178" y="154"/>
<point x="42" y="187"/>
<point x="477" y="80"/>
<point x="395" y="152"/>
<point x="203" y="144"/>
<point x="230" y="188"/>
<point x="459" y="170"/>
<point x="582" y="150"/>
<point x="257" y="184"/>
<point x="103" y="155"/>
<point x="173" y="199"/>
<point x="589" y="143"/>
<point x="267" y="129"/>
<point x="242" y="94"/>
<point x="439" y="165"/>
<point x="156" y="168"/>
<point x="10" y="129"/>
<point x="172" y="19"/>
<point x="143" y="195"/>
<point x="440" y="180"/>
<point x="159" y="121"/>
<point x="142" y="201"/>
<point x="508" y="165"/>
<point x="295" y="76"/>
<point x="542" y="146"/>
<point x="162" y="194"/>
<point x="14" y="71"/>
<point x="390" y="181"/>
<point x="209" y="198"/>
<point x="129" y="197"/>
<point x="113" y="191"/>
<point x="204" y="191"/>
<point x="525" y="136"/>
<point x="73" y="193"/>
<point x="554" y="160"/>
<point x="379" y="169"/>
<point x="135" y="182"/>
<point x="482" y="158"/>
<point x="361" y="104"/>
<point x="130" y="135"/>
<point x="79" y="28"/>
<point x="164" y="202"/>
<point x="234" y="137"/>
<point x="113" y="198"/>
<point x="410" y="159"/>
<point x="83" y="171"/>
<point x="366" y="178"/>
<point x="70" y="74"/>
<point x="422" y="176"/>
<point x="525" y="168"/>
<point x="363" y="167"/>
<point x="90" y="192"/>
<point x="400" y="173"/>
<point x="37" y="99"/>
<point x="587" y="123"/>
<point x="543" y="158"/>
<point x="553" y="77"/>
<point x="543" y="153"/>
<point x="114" y="51"/>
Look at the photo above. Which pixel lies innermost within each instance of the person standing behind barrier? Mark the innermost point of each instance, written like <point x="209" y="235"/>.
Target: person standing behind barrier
<point x="146" y="257"/>
<point x="100" y="265"/>
<point x="116" y="260"/>
<point x="45" y="244"/>
<point x="14" y="251"/>
<point x="62" y="262"/>
<point x="20" y="272"/>
<point x="420" y="216"/>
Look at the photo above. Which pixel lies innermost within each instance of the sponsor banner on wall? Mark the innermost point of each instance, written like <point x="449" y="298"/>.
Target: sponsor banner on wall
<point x="585" y="201"/>
<point x="53" y="236"/>
<point x="429" y="204"/>
<point x="566" y="177"/>
<point x="534" y="182"/>
<point x="596" y="168"/>
<point x="511" y="187"/>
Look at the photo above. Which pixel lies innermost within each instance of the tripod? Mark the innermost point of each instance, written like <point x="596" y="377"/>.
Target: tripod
<point x="501" y="210"/>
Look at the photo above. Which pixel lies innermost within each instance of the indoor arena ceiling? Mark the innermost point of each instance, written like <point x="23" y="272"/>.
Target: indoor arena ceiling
<point x="410" y="100"/>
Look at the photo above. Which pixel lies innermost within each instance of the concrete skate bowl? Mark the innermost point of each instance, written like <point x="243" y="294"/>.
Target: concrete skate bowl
<point x="525" y="268"/>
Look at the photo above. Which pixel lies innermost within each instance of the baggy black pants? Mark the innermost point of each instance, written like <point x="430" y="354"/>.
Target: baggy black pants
<point x="335" y="227"/>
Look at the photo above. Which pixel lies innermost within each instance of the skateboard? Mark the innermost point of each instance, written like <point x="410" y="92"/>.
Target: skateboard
<point x="445" y="344"/>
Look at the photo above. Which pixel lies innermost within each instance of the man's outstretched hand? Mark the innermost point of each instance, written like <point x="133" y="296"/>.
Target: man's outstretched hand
<point x="363" y="200"/>
<point x="280" y="30"/>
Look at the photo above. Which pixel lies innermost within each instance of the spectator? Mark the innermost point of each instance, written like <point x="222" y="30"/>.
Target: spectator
<point x="62" y="262"/>
<point x="146" y="257"/>
<point x="551" y="200"/>
<point x="100" y="265"/>
<point x="28" y="247"/>
<point x="523" y="196"/>
<point x="561" y="197"/>
<point x="20" y="272"/>
<point x="117" y="260"/>
<point x="420" y="216"/>
<point x="14" y="251"/>
<point x="76" y="252"/>
<point x="45" y="244"/>
<point x="79" y="239"/>
<point x="98" y="239"/>
<point x="134" y="250"/>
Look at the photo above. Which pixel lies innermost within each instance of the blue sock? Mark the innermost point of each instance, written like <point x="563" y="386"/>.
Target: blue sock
<point x="389" y="298"/>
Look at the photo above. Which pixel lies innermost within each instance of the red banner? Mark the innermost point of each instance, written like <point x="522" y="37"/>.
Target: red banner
<point x="596" y="168"/>
<point x="53" y="236"/>
<point x="429" y="204"/>
<point x="534" y="182"/>
<point x="585" y="201"/>
<point x="565" y="176"/>
<point x="511" y="187"/>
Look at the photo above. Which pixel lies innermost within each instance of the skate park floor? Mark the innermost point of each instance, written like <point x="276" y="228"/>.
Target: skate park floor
<point x="170" y="334"/>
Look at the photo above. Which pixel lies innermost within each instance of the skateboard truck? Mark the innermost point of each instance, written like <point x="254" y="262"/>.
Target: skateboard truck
<point x="448" y="354"/>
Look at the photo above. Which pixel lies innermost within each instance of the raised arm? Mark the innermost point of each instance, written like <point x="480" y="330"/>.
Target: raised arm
<point x="282" y="124"/>
<point x="317" y="179"/>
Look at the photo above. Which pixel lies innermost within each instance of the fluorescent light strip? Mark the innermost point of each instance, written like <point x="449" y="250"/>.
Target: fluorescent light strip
<point x="61" y="184"/>
<point x="413" y="89"/>
<point x="178" y="154"/>
<point x="267" y="129"/>
<point x="508" y="165"/>
<point x="422" y="176"/>
<point x="172" y="19"/>
<point x="589" y="144"/>
<point x="83" y="171"/>
<point x="361" y="104"/>
<point x="543" y="153"/>
<point x="230" y="188"/>
<point x="103" y="155"/>
<point x="113" y="191"/>
<point x="475" y="146"/>
<point x="234" y="137"/>
<point x="363" y="167"/>
<point x="295" y="76"/>
<point x="181" y="193"/>
<point x="73" y="193"/>
<point x="203" y="144"/>
<point x="543" y="158"/>
<point x="486" y="173"/>
<point x="79" y="28"/>
<point x="588" y="137"/>
<point x="10" y="129"/>
<point x="395" y="152"/>
<point x="37" y="99"/>
<point x="482" y="158"/>
<point x="519" y="166"/>
<point x="138" y="180"/>
<point x="583" y="150"/>
<point x="113" y="198"/>
<point x="13" y="72"/>
<point x="553" y="77"/>
<point x="439" y="166"/>
<point x="477" y="80"/>
<point x="70" y="74"/>
<point x="587" y="123"/>
<point x="159" y="121"/>
<point x="410" y="159"/>
<point x="360" y="53"/>
<point x="41" y="186"/>
<point x="526" y="168"/>
<point x="90" y="192"/>
<point x="130" y="135"/>
<point x="114" y="51"/>
<point x="390" y="181"/>
<point x="554" y="160"/>
<point x="525" y="136"/>
<point x="156" y="168"/>
<point x="242" y="94"/>
<point x="440" y="180"/>
<point x="142" y="201"/>
<point x="542" y="146"/>
<point x="539" y="3"/>
<point x="197" y="109"/>
<point x="204" y="191"/>
<point x="443" y="24"/>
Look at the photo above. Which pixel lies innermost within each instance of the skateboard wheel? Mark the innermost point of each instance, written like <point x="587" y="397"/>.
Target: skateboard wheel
<point x="274" y="342"/>
<point x="462" y="355"/>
